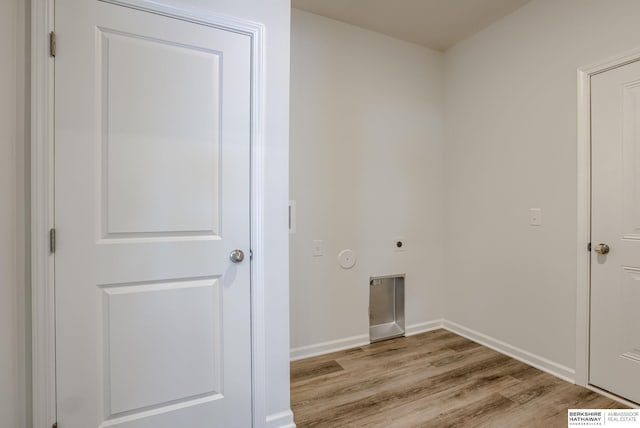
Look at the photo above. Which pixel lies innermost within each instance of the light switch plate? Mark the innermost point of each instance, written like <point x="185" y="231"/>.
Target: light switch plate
<point x="535" y="216"/>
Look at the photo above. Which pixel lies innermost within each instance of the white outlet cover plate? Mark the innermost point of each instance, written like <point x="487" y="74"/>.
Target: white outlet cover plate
<point x="347" y="259"/>
<point x="318" y="248"/>
<point x="535" y="216"/>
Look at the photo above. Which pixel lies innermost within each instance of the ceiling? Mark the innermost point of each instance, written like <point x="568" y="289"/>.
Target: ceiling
<point x="437" y="24"/>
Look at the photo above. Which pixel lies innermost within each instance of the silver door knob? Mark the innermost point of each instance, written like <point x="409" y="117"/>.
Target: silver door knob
<point x="601" y="249"/>
<point x="236" y="256"/>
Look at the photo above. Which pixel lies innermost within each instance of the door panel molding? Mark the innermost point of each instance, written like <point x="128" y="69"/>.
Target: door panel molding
<point x="42" y="209"/>
<point x="584" y="75"/>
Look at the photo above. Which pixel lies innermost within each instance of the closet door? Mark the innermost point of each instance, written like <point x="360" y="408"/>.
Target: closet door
<point x="152" y="144"/>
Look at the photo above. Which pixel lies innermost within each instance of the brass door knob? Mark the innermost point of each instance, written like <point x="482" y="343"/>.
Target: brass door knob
<point x="602" y="249"/>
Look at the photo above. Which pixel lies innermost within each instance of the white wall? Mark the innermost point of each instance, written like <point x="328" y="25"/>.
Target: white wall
<point x="511" y="145"/>
<point x="366" y="166"/>
<point x="14" y="313"/>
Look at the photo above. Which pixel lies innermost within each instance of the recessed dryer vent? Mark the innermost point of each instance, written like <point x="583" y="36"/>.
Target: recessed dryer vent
<point x="386" y="307"/>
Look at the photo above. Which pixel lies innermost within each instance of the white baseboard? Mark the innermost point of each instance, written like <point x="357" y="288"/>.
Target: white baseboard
<point x="328" y="347"/>
<point x="526" y="357"/>
<point x="281" y="420"/>
<point x="355" y="341"/>
<point x="423" y="327"/>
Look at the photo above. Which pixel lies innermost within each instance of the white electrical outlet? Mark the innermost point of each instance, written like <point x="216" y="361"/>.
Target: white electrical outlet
<point x="318" y="248"/>
<point x="535" y="216"/>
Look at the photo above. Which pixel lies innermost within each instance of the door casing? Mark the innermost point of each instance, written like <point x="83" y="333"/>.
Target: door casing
<point x="584" y="215"/>
<point x="42" y="190"/>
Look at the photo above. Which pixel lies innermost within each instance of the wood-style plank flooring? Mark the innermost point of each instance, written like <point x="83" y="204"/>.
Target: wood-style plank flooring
<point x="436" y="379"/>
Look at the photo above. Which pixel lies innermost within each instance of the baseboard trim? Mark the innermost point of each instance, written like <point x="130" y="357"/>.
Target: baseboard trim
<point x="328" y="347"/>
<point x="526" y="357"/>
<point x="281" y="420"/>
<point x="355" y="341"/>
<point x="423" y="327"/>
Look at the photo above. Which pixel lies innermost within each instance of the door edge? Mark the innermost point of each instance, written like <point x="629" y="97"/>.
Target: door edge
<point x="42" y="216"/>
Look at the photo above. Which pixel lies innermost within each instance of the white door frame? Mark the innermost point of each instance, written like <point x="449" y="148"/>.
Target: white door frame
<point x="584" y="212"/>
<point x="42" y="209"/>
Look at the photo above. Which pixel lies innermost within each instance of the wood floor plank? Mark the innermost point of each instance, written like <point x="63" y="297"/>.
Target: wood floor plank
<point x="345" y="391"/>
<point x="410" y="386"/>
<point x="435" y="379"/>
<point x="460" y="394"/>
<point x="314" y="369"/>
<point x="550" y="409"/>
<point x="533" y="388"/>
<point x="480" y="412"/>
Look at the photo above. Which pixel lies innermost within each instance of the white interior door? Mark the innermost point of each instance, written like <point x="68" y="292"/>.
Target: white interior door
<point x="615" y="276"/>
<point x="152" y="144"/>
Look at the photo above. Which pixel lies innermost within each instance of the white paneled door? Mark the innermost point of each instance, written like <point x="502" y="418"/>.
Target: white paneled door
<point x="615" y="234"/>
<point x="152" y="145"/>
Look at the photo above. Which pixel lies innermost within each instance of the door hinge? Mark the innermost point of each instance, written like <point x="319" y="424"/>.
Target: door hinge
<point x="52" y="44"/>
<point x="589" y="246"/>
<point x="52" y="241"/>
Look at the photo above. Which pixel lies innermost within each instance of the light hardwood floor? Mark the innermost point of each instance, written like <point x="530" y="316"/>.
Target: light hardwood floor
<point x="436" y="379"/>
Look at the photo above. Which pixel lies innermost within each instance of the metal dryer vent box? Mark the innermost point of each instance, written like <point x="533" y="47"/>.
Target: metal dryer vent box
<point x="386" y="307"/>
